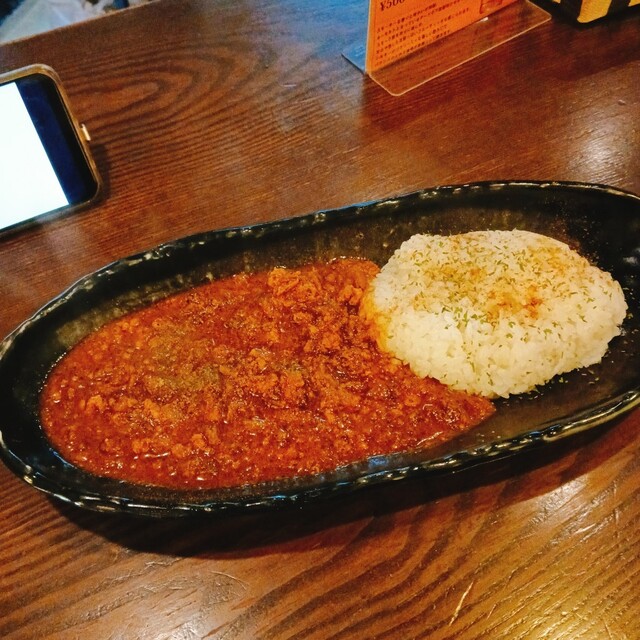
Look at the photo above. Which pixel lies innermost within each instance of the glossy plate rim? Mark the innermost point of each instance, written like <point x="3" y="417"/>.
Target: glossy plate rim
<point x="300" y="491"/>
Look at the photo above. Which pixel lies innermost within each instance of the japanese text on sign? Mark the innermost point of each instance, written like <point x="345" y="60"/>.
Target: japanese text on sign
<point x="398" y="28"/>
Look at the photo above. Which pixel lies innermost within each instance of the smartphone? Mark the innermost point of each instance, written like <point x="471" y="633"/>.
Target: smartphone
<point x="46" y="168"/>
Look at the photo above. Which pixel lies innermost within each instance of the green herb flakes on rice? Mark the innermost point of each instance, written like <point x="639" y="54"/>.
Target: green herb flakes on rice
<point x="493" y="313"/>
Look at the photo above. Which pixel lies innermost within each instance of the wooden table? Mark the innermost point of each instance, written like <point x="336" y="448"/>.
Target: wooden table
<point x="208" y="114"/>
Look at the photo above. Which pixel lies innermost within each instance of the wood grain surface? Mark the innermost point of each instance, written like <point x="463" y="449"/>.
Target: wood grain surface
<point x="208" y="114"/>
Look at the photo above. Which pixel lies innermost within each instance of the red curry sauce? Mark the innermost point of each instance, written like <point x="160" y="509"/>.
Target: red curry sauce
<point x="246" y="379"/>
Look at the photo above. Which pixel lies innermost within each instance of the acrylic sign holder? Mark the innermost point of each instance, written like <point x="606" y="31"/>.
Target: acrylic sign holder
<point x="395" y="58"/>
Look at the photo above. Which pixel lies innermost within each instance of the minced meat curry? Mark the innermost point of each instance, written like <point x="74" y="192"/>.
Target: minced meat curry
<point x="244" y="380"/>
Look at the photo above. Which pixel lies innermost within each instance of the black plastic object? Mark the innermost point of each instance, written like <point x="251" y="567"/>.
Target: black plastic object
<point x="601" y="223"/>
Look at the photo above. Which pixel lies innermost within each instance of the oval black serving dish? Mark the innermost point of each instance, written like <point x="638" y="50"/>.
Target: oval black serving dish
<point x="600" y="222"/>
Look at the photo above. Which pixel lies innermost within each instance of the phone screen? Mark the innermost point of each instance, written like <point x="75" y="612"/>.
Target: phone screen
<point x="43" y="165"/>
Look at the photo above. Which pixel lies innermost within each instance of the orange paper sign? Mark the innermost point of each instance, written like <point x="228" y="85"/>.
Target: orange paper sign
<point x="398" y="28"/>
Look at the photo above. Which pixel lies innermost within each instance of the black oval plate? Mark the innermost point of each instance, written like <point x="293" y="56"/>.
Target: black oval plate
<point x="600" y="222"/>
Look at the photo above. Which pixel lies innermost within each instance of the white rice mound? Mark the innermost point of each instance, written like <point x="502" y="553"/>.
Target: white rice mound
<point x="493" y="313"/>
